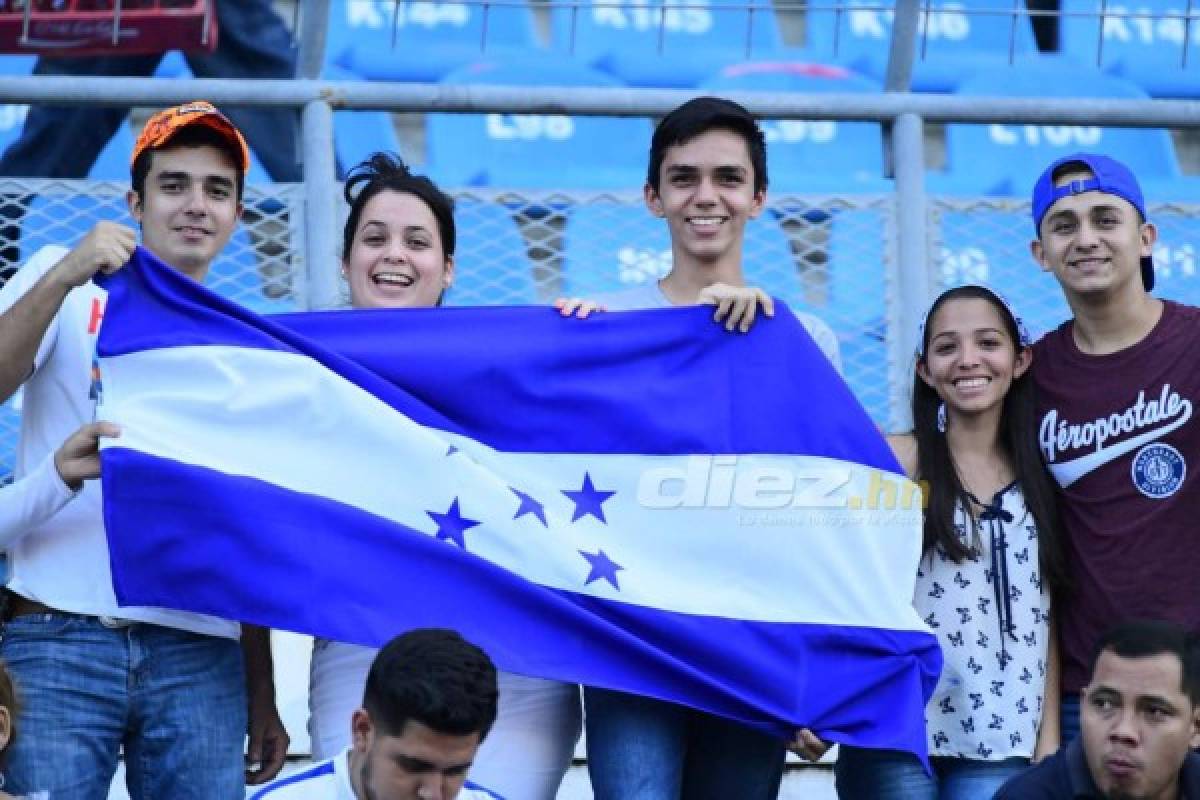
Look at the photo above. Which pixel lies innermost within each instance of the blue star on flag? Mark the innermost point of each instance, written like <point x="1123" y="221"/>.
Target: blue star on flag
<point x="588" y="500"/>
<point x="602" y="567"/>
<point x="451" y="450"/>
<point x="529" y="506"/>
<point x="452" y="525"/>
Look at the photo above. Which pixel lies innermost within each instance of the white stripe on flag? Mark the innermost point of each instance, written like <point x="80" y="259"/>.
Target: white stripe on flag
<point x="778" y="563"/>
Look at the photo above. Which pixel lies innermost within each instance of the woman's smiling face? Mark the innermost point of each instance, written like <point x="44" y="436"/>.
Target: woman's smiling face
<point x="397" y="258"/>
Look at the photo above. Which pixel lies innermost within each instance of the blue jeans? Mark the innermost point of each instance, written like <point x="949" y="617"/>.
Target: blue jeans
<point x="175" y="701"/>
<point x="893" y="775"/>
<point x="1069" y="722"/>
<point x="645" y="749"/>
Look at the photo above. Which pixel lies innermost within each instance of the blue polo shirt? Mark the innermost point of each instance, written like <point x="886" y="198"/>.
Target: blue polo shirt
<point x="1065" y="776"/>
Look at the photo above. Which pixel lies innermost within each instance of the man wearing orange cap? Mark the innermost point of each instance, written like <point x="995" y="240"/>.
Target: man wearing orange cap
<point x="173" y="690"/>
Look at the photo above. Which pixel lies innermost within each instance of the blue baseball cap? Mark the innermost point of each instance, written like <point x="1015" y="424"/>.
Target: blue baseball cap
<point x="1109" y="176"/>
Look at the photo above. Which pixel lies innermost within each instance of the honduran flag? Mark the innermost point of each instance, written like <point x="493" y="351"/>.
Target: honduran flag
<point x="639" y="501"/>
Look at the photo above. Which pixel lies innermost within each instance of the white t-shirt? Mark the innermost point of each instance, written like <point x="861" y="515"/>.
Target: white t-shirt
<point x="62" y="559"/>
<point x="650" y="295"/>
<point x="330" y="780"/>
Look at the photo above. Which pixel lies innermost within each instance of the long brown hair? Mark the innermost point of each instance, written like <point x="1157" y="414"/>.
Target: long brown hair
<point x="1018" y="438"/>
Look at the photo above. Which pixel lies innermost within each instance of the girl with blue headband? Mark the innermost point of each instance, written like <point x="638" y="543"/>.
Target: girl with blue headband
<point x="990" y="561"/>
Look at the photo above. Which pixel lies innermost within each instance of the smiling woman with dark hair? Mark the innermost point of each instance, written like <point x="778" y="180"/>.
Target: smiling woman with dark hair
<point x="991" y="558"/>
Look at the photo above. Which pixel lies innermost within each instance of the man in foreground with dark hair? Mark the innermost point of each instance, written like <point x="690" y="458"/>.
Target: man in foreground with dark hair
<point x="429" y="702"/>
<point x="1139" y="719"/>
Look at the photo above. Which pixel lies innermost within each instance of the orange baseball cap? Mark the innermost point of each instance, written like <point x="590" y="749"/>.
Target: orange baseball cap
<point x="163" y="126"/>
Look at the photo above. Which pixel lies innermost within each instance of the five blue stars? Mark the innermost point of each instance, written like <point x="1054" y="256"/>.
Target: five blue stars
<point x="602" y="567"/>
<point x="452" y="524"/>
<point x="529" y="506"/>
<point x="588" y="500"/>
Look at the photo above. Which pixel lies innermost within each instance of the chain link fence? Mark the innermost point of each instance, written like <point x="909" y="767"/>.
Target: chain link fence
<point x="832" y="257"/>
<point x="987" y="241"/>
<point x="829" y="256"/>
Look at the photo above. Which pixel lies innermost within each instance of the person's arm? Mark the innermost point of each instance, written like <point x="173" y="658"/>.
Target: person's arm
<point x="42" y="493"/>
<point x="268" y="739"/>
<point x="1049" y="737"/>
<point x="26" y="319"/>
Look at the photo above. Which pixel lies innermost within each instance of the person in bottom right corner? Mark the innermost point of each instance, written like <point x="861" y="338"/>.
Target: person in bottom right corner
<point x="1139" y="721"/>
<point x="990" y="560"/>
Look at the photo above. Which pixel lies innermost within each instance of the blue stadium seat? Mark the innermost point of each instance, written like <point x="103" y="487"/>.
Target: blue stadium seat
<point x="12" y="117"/>
<point x="431" y="38"/>
<point x="491" y="265"/>
<point x="113" y="162"/>
<point x="643" y="45"/>
<point x="358" y="134"/>
<point x="816" y="155"/>
<point x="535" y="151"/>
<point x="613" y="246"/>
<point x="958" y="39"/>
<point x="1148" y="50"/>
<point x="1006" y="159"/>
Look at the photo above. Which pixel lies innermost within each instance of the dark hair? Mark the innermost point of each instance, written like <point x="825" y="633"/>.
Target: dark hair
<point x="700" y="115"/>
<point x="1018" y="437"/>
<point x="384" y="171"/>
<point x="191" y="136"/>
<point x="435" y="677"/>
<point x="8" y="699"/>
<point x="1145" y="638"/>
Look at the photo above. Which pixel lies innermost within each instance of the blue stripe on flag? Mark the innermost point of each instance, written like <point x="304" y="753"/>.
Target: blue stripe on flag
<point x="333" y="571"/>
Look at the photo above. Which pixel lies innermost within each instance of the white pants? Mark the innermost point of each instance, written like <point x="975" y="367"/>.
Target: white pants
<point x="524" y="756"/>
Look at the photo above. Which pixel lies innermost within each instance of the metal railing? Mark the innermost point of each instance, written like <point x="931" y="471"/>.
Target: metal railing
<point x="909" y="243"/>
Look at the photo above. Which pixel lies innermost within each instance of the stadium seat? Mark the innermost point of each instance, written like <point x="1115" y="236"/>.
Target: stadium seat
<point x="959" y="38"/>
<point x="644" y="45"/>
<point x="1147" y="49"/>
<point x="610" y="246"/>
<point x="1006" y="159"/>
<point x="113" y="162"/>
<point x="812" y="155"/>
<point x="12" y="117"/>
<point x="535" y="151"/>
<point x="491" y="265"/>
<point x="358" y="134"/>
<point x="385" y="40"/>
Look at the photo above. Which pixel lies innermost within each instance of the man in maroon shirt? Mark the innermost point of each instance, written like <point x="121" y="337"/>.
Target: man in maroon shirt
<point x="1116" y="386"/>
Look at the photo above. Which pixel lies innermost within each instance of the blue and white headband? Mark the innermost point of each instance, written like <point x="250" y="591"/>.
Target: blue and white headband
<point x="1023" y="338"/>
